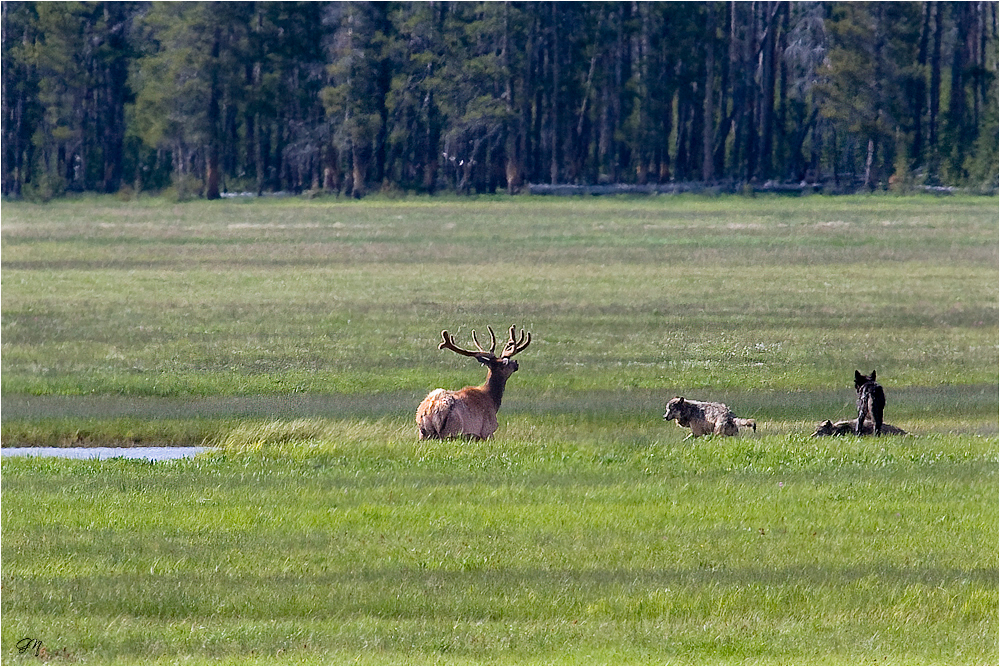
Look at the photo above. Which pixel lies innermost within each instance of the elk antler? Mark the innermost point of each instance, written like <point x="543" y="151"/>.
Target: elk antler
<point x="513" y="345"/>
<point x="448" y="342"/>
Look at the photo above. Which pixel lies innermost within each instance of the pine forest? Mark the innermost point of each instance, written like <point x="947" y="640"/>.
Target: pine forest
<point x="201" y="99"/>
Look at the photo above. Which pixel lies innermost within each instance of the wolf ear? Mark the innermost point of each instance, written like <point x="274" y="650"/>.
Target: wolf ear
<point x="680" y="400"/>
<point x="859" y="379"/>
<point x="873" y="375"/>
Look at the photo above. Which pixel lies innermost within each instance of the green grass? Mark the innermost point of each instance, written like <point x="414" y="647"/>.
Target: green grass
<point x="279" y="297"/>
<point x="351" y="542"/>
<point x="298" y="337"/>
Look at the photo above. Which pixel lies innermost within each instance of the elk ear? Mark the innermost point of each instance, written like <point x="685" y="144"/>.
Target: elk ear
<point x="484" y="358"/>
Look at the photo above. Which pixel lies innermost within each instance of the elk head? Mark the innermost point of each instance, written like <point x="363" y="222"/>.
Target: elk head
<point x="503" y="365"/>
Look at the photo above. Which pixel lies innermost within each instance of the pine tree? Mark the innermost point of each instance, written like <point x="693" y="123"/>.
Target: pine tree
<point x="188" y="74"/>
<point x="871" y="46"/>
<point x="361" y="74"/>
<point x="22" y="108"/>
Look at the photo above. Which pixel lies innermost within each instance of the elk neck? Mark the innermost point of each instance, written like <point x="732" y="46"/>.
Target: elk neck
<point x="494" y="386"/>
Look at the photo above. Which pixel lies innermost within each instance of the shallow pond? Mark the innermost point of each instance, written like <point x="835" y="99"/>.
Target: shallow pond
<point x="148" y="453"/>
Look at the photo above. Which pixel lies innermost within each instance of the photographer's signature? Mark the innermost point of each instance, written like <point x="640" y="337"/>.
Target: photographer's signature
<point x="30" y="644"/>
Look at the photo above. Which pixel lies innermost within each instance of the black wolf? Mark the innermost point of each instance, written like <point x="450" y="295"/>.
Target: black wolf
<point x="871" y="402"/>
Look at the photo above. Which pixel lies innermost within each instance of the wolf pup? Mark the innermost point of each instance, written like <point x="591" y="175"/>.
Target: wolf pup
<point x="705" y="418"/>
<point x="871" y="402"/>
<point x="851" y="426"/>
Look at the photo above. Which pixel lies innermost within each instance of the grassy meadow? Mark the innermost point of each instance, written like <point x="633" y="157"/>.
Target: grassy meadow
<point x="298" y="336"/>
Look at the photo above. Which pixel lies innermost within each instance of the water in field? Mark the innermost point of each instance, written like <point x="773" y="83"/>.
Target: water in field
<point x="148" y="453"/>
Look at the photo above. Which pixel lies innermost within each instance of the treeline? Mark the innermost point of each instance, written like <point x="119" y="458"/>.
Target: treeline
<point x="208" y="97"/>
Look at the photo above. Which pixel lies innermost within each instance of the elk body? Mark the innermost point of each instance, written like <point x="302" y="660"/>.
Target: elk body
<point x="472" y="411"/>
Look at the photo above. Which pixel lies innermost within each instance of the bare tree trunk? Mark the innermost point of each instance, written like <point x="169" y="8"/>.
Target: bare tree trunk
<point x="212" y="166"/>
<point x="512" y="166"/>
<point x="331" y="169"/>
<point x="554" y="164"/>
<point x="767" y="89"/>
<point x="868" y="163"/>
<point x="358" y="168"/>
<point x="957" y="107"/>
<point x="782" y="114"/>
<point x="212" y="172"/>
<point x="920" y="88"/>
<point x="708" y="133"/>
<point x="935" y="101"/>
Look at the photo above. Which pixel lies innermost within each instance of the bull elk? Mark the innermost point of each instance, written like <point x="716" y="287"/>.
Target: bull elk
<point x="472" y="411"/>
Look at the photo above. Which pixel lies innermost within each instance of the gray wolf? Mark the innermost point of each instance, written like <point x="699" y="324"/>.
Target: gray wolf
<point x="704" y="418"/>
